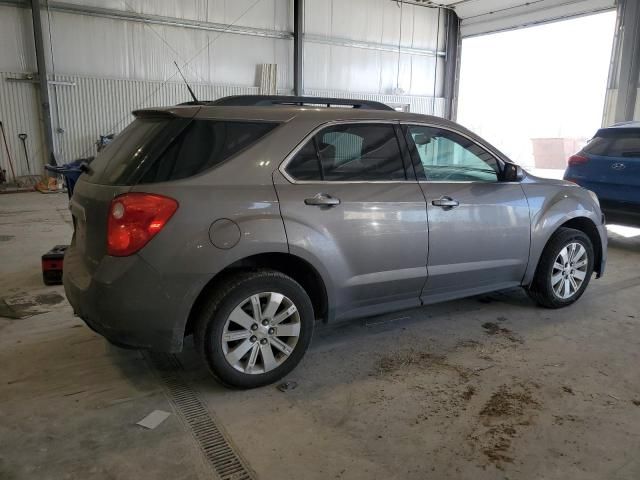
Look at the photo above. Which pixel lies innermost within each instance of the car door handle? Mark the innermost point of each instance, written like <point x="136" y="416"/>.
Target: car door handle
<point x="322" y="200"/>
<point x="445" y="202"/>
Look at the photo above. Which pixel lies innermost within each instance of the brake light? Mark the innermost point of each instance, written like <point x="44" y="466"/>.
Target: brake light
<point x="134" y="219"/>
<point x="577" y="160"/>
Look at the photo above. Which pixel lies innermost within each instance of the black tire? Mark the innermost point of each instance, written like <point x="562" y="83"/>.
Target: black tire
<point x="541" y="290"/>
<point x="212" y="317"/>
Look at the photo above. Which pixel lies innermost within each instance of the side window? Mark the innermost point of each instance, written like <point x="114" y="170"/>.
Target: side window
<point x="204" y="144"/>
<point x="352" y="152"/>
<point x="449" y="157"/>
<point x="306" y="163"/>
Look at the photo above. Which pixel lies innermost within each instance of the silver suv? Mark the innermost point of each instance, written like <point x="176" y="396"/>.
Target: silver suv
<point x="248" y="219"/>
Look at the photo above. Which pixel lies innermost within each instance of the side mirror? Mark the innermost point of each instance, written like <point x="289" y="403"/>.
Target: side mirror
<point x="513" y="172"/>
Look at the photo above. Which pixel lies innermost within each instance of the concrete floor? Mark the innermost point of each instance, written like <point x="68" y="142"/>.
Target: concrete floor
<point x="488" y="387"/>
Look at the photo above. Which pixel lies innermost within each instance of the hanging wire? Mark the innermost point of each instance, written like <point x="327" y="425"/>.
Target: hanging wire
<point x="165" y="41"/>
<point x="185" y="64"/>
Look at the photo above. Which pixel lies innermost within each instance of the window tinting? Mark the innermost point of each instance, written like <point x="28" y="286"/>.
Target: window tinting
<point x="161" y="149"/>
<point x="203" y="145"/>
<point x="449" y="157"/>
<point x="130" y="150"/>
<point x="306" y="164"/>
<point x="615" y="143"/>
<point x="350" y="153"/>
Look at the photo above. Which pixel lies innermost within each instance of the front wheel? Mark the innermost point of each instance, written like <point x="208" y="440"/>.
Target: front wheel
<point x="564" y="270"/>
<point x="255" y="329"/>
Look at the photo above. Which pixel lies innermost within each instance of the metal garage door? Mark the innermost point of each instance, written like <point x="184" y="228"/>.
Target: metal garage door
<point x="486" y="16"/>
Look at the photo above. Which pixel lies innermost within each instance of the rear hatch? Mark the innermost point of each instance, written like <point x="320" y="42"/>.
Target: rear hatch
<point x="159" y="146"/>
<point x="113" y="172"/>
<point x="610" y="165"/>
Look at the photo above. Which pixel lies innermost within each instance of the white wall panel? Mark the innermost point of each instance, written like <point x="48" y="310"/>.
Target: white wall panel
<point x="485" y="16"/>
<point x="96" y="106"/>
<point x="375" y="21"/>
<point x="124" y="49"/>
<point x="119" y="65"/>
<point x="84" y="109"/>
<point x="334" y="67"/>
<point x="19" y="113"/>
<point x="423" y="105"/>
<point x="271" y="14"/>
<point x="368" y="68"/>
<point x="16" y="40"/>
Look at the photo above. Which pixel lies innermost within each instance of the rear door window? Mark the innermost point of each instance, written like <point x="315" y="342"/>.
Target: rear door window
<point x="615" y="142"/>
<point x="160" y="150"/>
<point x="350" y="152"/>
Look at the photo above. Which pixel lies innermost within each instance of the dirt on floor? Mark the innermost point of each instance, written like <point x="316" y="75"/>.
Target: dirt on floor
<point x="510" y="407"/>
<point x="482" y="388"/>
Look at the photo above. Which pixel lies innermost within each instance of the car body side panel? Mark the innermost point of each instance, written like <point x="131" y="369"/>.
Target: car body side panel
<point x="552" y="204"/>
<point x="482" y="243"/>
<point x="184" y="252"/>
<point x="181" y="259"/>
<point x="373" y="244"/>
<point x="240" y="190"/>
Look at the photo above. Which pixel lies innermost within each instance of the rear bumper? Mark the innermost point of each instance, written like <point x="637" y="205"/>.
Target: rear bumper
<point x="125" y="300"/>
<point x="620" y="208"/>
<point x="612" y="196"/>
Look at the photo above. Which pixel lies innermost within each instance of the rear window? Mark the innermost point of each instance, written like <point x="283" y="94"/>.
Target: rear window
<point x="615" y="143"/>
<point x="152" y="150"/>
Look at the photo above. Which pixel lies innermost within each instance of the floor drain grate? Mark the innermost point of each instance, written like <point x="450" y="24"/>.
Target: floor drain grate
<point x="215" y="446"/>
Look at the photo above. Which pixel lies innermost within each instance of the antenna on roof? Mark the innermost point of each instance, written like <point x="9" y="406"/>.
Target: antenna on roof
<point x="193" y="95"/>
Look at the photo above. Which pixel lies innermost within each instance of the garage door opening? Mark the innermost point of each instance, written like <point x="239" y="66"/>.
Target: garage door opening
<point x="538" y="93"/>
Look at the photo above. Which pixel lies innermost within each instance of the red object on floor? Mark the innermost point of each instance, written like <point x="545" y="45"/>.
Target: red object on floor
<point x="52" y="264"/>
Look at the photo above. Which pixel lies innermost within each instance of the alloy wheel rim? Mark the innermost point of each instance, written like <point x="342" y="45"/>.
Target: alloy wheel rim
<point x="261" y="333"/>
<point x="569" y="270"/>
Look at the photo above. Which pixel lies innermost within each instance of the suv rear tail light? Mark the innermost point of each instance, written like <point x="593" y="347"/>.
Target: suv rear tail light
<point x="134" y="219"/>
<point x="577" y="160"/>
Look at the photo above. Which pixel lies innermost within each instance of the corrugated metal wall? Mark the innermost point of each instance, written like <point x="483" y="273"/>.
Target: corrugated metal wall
<point x="117" y="65"/>
<point x="479" y="18"/>
<point x="415" y="104"/>
<point x="353" y="46"/>
<point x="89" y="107"/>
<point x="96" y="106"/>
<point x="16" y="40"/>
<point x="125" y="49"/>
<point x="19" y="113"/>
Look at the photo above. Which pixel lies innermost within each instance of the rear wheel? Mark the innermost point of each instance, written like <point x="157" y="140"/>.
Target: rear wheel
<point x="564" y="269"/>
<point x="255" y="329"/>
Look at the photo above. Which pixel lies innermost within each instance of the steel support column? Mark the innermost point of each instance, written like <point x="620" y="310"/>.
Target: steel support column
<point x="43" y="82"/>
<point x="452" y="64"/>
<point x="624" y="74"/>
<point x="298" y="47"/>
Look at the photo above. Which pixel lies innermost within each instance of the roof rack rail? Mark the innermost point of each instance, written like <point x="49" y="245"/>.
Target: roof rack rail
<point x="271" y="100"/>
